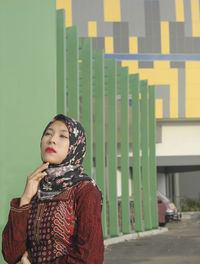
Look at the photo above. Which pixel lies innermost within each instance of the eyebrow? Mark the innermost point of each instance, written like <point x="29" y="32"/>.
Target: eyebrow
<point x="62" y="130"/>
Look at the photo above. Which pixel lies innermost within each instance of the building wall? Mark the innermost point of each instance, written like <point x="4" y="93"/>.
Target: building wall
<point x="189" y="184"/>
<point x="160" y="39"/>
<point x="179" y="139"/>
<point x="161" y="186"/>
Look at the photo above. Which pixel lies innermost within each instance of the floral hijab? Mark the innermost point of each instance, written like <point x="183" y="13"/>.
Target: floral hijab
<point x="69" y="172"/>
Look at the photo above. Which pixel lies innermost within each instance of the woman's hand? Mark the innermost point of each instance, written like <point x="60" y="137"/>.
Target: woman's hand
<point x="32" y="183"/>
<point x="24" y="259"/>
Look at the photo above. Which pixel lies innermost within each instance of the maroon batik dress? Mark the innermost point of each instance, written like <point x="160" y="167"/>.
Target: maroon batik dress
<point x="65" y="229"/>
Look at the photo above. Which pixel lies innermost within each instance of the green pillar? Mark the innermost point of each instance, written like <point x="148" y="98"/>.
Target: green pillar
<point x="72" y="45"/>
<point x="123" y="89"/>
<point x="98" y="85"/>
<point x="85" y="59"/>
<point x="27" y="91"/>
<point x="61" y="62"/>
<point x="134" y="91"/>
<point x="152" y="157"/>
<point x="111" y="84"/>
<point x="145" y="154"/>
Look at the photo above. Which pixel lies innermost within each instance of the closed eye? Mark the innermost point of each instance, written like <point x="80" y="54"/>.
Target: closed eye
<point x="63" y="136"/>
<point x="47" y="134"/>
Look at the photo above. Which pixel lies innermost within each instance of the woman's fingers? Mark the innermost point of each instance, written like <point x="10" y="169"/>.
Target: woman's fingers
<point x="39" y="171"/>
<point x="39" y="176"/>
<point x="24" y="259"/>
<point x="32" y="184"/>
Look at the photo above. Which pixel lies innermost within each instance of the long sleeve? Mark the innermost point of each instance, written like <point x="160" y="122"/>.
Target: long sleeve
<point x="89" y="246"/>
<point x="14" y="235"/>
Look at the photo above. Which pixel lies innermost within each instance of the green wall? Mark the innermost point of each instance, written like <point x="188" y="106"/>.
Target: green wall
<point x="27" y="90"/>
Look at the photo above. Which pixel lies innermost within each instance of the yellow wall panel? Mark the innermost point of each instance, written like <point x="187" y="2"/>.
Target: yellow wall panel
<point x="132" y="66"/>
<point x="68" y="13"/>
<point x="109" y="45"/>
<point x="195" y="18"/>
<point x="133" y="45"/>
<point x="179" y="11"/>
<point x="192" y="89"/>
<point x="165" y="49"/>
<point x="159" y="108"/>
<point x="60" y="4"/>
<point x="112" y="11"/>
<point x="162" y="64"/>
<point x="192" y="108"/>
<point x="92" y="29"/>
<point x="160" y="74"/>
<point x="67" y="5"/>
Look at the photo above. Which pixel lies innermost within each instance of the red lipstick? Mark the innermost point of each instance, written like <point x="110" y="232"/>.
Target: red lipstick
<point x="50" y="150"/>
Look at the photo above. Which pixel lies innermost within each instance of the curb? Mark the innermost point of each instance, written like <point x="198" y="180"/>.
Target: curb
<point x="123" y="238"/>
<point x="190" y="215"/>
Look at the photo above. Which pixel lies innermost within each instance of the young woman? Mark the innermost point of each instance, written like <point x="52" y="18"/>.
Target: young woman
<point x="58" y="217"/>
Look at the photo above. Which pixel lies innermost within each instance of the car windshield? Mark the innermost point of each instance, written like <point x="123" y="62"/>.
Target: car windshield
<point x="164" y="197"/>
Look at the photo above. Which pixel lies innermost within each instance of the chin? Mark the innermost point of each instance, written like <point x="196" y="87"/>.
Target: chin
<point x="50" y="160"/>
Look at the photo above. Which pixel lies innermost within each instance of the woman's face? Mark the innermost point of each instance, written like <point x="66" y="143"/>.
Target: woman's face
<point x="55" y="143"/>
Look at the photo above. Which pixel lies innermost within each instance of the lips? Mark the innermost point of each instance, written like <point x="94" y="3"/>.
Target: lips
<point x="50" y="150"/>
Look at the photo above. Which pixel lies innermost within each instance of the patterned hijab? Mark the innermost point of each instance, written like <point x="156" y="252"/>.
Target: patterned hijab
<point x="69" y="172"/>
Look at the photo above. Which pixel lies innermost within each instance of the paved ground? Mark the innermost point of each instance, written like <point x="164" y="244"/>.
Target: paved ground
<point x="180" y="245"/>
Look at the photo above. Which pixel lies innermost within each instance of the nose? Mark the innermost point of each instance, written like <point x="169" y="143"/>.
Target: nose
<point x="52" y="139"/>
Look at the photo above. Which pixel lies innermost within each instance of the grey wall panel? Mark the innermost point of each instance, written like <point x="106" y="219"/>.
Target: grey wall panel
<point x="90" y="10"/>
<point x="158" y="133"/>
<point x="181" y="93"/>
<point x="189" y="45"/>
<point x="152" y="18"/>
<point x="121" y="37"/>
<point x="106" y="29"/>
<point x="189" y="184"/>
<point x="119" y="64"/>
<point x="133" y="12"/>
<point x="177" y="64"/>
<point x="152" y="42"/>
<point x="163" y="92"/>
<point x="196" y="45"/>
<point x="187" y="18"/>
<point x="176" y="31"/>
<point x="180" y="46"/>
<point x="146" y="64"/>
<point x="149" y="45"/>
<point x="178" y="160"/>
<point x="145" y="45"/>
<point x="192" y="45"/>
<point x="98" y="43"/>
<point x="167" y="10"/>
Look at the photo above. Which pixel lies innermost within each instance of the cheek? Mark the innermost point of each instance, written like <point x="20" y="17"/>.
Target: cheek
<point x="65" y="149"/>
<point x="42" y="145"/>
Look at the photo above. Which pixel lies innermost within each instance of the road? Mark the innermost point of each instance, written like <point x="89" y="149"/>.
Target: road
<point x="180" y="245"/>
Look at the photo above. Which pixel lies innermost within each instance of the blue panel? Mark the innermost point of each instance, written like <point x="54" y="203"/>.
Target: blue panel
<point x="152" y="57"/>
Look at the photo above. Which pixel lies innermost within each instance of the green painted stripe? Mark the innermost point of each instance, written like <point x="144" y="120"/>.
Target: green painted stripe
<point x="61" y="62"/>
<point x="134" y="91"/>
<point x="123" y="87"/>
<point x="98" y="85"/>
<point x="145" y="154"/>
<point x="72" y="73"/>
<point x="152" y="157"/>
<point x="111" y="83"/>
<point x="85" y="57"/>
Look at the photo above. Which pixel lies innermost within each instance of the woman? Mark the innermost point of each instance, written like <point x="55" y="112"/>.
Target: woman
<point x="58" y="217"/>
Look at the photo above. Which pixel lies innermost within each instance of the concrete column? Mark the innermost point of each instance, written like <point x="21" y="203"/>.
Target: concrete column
<point x="176" y="190"/>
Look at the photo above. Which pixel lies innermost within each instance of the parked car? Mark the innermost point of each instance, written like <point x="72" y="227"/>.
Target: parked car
<point x="167" y="210"/>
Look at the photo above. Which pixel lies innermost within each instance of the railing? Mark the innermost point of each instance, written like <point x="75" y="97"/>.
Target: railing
<point x="90" y="89"/>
